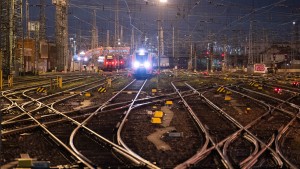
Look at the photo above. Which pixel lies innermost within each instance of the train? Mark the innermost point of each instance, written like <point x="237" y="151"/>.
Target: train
<point x="142" y="63"/>
<point x="113" y="62"/>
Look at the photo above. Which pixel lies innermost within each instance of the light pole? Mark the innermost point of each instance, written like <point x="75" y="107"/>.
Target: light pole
<point x="207" y="64"/>
<point x="79" y="59"/>
<point x="74" y="53"/>
<point x="160" y="33"/>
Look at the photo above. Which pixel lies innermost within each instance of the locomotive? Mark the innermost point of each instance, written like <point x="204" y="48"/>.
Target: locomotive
<point x="142" y="63"/>
<point x="112" y="62"/>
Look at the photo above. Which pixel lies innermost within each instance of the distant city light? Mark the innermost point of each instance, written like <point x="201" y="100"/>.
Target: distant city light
<point x="294" y="23"/>
<point x="85" y="58"/>
<point x="82" y="53"/>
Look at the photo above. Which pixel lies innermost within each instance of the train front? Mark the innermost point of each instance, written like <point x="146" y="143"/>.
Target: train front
<point x="142" y="63"/>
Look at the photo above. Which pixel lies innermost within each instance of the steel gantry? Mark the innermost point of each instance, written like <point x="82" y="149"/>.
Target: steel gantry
<point x="61" y="34"/>
<point x="11" y="31"/>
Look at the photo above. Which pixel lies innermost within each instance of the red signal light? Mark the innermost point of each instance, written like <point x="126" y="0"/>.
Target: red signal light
<point x="223" y="54"/>
<point x="296" y="83"/>
<point x="207" y="52"/>
<point x="278" y="90"/>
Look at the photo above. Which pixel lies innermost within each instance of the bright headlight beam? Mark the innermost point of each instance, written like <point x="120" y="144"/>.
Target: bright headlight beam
<point x="136" y="64"/>
<point x="142" y="52"/>
<point x="147" y="65"/>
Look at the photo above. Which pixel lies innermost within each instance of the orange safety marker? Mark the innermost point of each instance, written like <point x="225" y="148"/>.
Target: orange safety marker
<point x="59" y="82"/>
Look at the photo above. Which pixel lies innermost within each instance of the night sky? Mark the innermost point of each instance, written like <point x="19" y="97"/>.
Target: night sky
<point x="204" y="20"/>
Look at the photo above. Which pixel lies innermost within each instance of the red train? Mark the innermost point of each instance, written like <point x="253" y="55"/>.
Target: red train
<point x="113" y="62"/>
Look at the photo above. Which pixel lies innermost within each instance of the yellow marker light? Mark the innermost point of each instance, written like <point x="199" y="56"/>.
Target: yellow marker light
<point x="158" y="114"/>
<point x="156" y="120"/>
<point x="227" y="98"/>
<point x="169" y="102"/>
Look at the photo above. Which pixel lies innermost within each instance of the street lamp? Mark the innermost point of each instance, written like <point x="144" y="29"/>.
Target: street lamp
<point x="160" y="33"/>
<point x="207" y="64"/>
<point x="81" y="54"/>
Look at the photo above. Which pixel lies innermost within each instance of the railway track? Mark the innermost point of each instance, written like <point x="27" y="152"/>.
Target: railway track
<point x="255" y="129"/>
<point x="233" y="137"/>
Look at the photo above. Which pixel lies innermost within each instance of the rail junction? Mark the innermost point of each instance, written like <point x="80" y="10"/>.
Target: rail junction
<point x="179" y="120"/>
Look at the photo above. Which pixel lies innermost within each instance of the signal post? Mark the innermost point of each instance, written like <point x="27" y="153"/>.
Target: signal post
<point x="59" y="82"/>
<point x="1" y="80"/>
<point x="10" y="80"/>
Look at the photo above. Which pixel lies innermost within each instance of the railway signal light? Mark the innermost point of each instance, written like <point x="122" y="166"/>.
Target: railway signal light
<point x="223" y="54"/>
<point x="277" y="90"/>
<point x="296" y="84"/>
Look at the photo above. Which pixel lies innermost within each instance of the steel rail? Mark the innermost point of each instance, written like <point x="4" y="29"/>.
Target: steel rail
<point x="19" y="90"/>
<point x="254" y="141"/>
<point x="246" y="127"/>
<point x="119" y="139"/>
<point x="22" y="90"/>
<point x="274" y="153"/>
<point x="94" y="107"/>
<point x="232" y="120"/>
<point x="91" y="131"/>
<point x="74" y="132"/>
<point x="49" y="96"/>
<point x="55" y="138"/>
<point x="202" y="127"/>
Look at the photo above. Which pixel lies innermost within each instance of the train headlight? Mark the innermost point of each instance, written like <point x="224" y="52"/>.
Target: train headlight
<point x="147" y="65"/>
<point x="136" y="64"/>
<point x="141" y="52"/>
